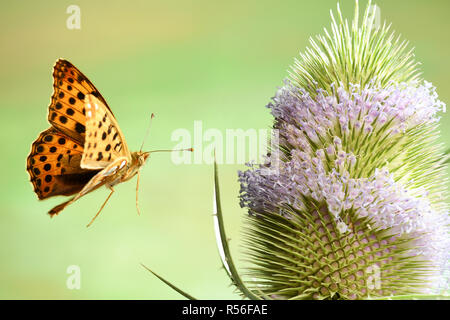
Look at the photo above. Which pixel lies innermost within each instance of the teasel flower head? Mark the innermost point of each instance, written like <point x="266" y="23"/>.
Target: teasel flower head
<point x="352" y="200"/>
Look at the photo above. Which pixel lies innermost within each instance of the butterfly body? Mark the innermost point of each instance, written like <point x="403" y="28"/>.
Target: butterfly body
<point x="84" y="148"/>
<point x="138" y="159"/>
<point x="122" y="170"/>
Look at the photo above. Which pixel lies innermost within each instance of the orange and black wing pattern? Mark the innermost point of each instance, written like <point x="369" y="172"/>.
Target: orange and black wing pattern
<point x="54" y="165"/>
<point x="54" y="161"/>
<point x="67" y="112"/>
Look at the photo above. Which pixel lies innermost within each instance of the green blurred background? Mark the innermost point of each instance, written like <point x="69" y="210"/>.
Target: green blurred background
<point x="214" y="61"/>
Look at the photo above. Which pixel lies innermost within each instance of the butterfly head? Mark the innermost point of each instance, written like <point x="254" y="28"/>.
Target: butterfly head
<point x="139" y="158"/>
<point x="142" y="156"/>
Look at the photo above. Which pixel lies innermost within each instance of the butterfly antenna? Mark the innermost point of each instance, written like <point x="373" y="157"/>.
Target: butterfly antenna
<point x="172" y="150"/>
<point x="147" y="132"/>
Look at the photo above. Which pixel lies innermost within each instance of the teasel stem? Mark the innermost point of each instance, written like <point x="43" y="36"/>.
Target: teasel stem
<point x="224" y="250"/>
<point x="222" y="244"/>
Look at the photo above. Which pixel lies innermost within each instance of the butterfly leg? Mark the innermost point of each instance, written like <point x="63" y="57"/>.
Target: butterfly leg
<point x="95" y="183"/>
<point x="137" y="194"/>
<point x="60" y="207"/>
<point x="103" y="205"/>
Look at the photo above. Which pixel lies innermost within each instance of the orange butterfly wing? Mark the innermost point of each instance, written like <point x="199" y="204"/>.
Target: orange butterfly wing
<point x="54" y="165"/>
<point x="57" y="164"/>
<point x="54" y="161"/>
<point x="70" y="88"/>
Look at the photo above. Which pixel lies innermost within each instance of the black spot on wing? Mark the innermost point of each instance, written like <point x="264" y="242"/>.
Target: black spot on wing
<point x="80" y="128"/>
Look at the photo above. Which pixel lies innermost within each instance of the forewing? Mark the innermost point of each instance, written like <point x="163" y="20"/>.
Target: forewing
<point x="104" y="141"/>
<point x="66" y="110"/>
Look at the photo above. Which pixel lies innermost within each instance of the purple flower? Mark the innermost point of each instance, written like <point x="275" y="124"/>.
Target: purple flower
<point x="357" y="207"/>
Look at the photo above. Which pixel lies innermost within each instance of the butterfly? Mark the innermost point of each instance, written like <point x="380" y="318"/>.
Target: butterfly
<point x="84" y="147"/>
